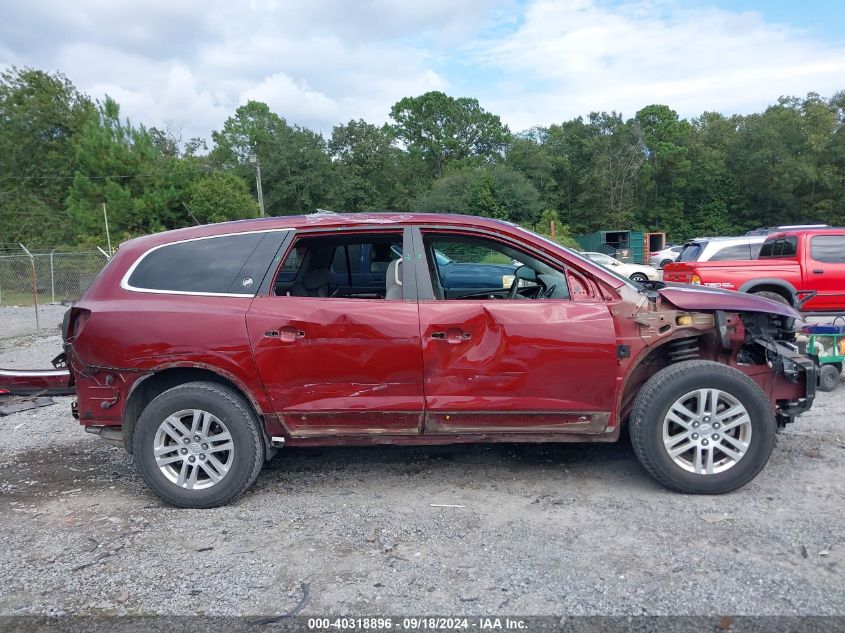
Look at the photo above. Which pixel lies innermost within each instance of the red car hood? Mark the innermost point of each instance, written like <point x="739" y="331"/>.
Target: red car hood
<point x="695" y="298"/>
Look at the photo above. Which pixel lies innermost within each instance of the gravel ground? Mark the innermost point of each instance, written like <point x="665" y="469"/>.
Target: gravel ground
<point x="543" y="529"/>
<point x="16" y="321"/>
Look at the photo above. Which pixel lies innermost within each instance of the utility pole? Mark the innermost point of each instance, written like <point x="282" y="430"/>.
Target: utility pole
<point x="253" y="158"/>
<point x="108" y="236"/>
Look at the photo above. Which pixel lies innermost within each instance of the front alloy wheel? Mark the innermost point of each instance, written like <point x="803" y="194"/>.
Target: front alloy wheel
<point x="707" y="431"/>
<point x="702" y="427"/>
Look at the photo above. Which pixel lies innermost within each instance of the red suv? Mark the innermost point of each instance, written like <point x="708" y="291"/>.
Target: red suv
<point x="205" y="350"/>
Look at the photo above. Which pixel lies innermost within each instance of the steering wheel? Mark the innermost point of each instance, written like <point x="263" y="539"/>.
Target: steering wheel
<point x="514" y="288"/>
<point x="548" y="292"/>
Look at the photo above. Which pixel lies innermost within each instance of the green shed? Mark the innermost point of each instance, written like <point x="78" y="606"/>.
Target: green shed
<point x="626" y="246"/>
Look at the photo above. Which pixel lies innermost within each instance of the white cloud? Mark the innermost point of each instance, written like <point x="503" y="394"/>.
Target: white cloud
<point x="192" y="62"/>
<point x="322" y="62"/>
<point x="574" y="57"/>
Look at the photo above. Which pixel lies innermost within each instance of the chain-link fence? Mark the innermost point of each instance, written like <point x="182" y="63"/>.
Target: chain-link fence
<point x="54" y="277"/>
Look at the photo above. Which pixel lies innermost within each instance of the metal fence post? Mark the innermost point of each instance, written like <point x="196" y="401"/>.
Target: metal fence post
<point x="34" y="285"/>
<point x="52" y="279"/>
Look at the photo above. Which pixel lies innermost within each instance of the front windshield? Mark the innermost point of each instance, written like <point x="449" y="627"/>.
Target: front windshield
<point x="600" y="258"/>
<point x="580" y="256"/>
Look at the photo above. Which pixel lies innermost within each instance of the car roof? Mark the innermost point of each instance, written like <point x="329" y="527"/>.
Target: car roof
<point x="723" y="241"/>
<point x="820" y="231"/>
<point x="321" y="219"/>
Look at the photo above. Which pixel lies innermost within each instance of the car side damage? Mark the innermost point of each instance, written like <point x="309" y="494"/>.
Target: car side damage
<point x="751" y="334"/>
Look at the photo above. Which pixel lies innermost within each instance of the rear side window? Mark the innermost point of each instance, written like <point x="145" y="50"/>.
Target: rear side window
<point x="779" y="247"/>
<point x="737" y="251"/>
<point x="828" y="248"/>
<point x="691" y="251"/>
<point x="208" y="265"/>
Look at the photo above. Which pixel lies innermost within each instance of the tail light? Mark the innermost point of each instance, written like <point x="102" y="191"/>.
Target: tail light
<point x="76" y="322"/>
<point x="695" y="279"/>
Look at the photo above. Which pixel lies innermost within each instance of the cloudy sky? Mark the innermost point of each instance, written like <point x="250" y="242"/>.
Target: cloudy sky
<point x="190" y="63"/>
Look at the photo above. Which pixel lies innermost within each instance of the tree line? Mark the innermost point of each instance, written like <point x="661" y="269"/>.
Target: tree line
<point x="62" y="155"/>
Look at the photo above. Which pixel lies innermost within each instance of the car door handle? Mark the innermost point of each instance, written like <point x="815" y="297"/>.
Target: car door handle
<point x="287" y="333"/>
<point x="452" y="335"/>
<point x="818" y="271"/>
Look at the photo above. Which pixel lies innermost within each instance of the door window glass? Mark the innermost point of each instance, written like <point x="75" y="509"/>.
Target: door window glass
<point x="329" y="266"/>
<point x="780" y="247"/>
<point x="468" y="267"/>
<point x="829" y="249"/>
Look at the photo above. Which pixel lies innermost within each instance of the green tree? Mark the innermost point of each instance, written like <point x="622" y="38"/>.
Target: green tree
<point x="295" y="167"/>
<point x="664" y="173"/>
<point x="438" y="129"/>
<point x="119" y="164"/>
<point x="608" y="182"/>
<point x="494" y="191"/>
<point x="41" y="118"/>
<point x="221" y="196"/>
<point x="550" y="226"/>
<point x="367" y="167"/>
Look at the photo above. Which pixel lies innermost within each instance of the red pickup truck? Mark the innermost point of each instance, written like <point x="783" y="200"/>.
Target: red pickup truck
<point x="803" y="268"/>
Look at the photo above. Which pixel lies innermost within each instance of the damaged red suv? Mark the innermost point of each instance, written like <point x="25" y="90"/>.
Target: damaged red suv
<point x="204" y="351"/>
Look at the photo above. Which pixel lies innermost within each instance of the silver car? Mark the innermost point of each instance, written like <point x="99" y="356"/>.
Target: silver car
<point x="703" y="249"/>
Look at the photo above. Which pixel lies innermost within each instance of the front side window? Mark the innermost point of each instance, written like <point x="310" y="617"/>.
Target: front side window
<point x="829" y="249"/>
<point x="779" y="247"/>
<point x="211" y="265"/>
<point x="470" y="267"/>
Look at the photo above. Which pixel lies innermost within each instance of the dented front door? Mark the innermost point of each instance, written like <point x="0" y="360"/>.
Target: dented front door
<point x="517" y="366"/>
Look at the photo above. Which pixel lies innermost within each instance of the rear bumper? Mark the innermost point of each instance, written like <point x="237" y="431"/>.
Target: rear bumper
<point x="28" y="381"/>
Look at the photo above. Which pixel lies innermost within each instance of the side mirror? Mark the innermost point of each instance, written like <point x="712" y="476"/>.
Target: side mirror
<point x="526" y="274"/>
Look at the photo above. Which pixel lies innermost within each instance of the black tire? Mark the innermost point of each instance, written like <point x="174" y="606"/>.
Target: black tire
<point x="661" y="391"/>
<point x="666" y="262"/>
<point x="774" y="296"/>
<point x="829" y="377"/>
<point x="638" y="277"/>
<point x="240" y="421"/>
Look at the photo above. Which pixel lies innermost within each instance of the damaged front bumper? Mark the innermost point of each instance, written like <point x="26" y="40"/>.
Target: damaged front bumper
<point x="793" y="367"/>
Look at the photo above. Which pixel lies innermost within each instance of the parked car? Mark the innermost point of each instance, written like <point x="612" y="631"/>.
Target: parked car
<point x="659" y="259"/>
<point x="637" y="272"/>
<point x="202" y="356"/>
<point x="705" y="249"/>
<point x="805" y="267"/>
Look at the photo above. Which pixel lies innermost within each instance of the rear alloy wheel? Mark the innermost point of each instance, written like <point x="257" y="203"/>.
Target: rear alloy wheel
<point x="198" y="445"/>
<point x="639" y="277"/>
<point x="194" y="449"/>
<point x="702" y="427"/>
<point x="829" y="377"/>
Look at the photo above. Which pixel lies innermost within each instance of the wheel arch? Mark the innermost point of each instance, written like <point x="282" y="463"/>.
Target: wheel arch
<point x="151" y="385"/>
<point x="650" y="360"/>
<point x="771" y="284"/>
